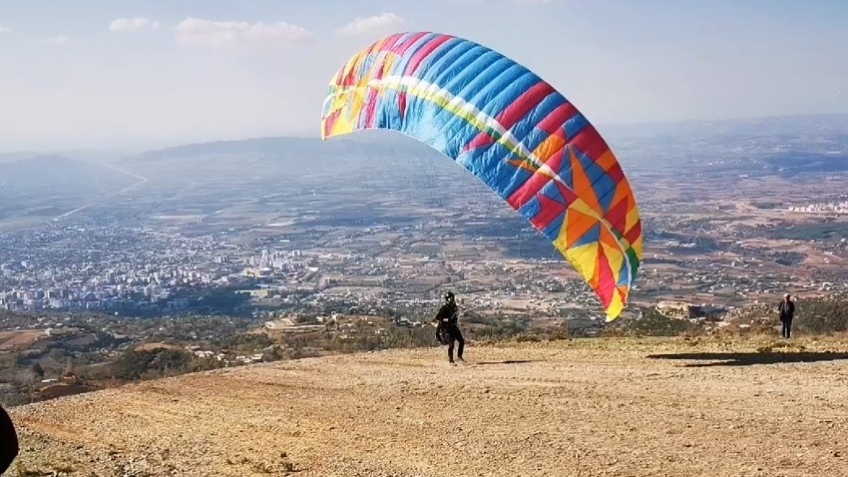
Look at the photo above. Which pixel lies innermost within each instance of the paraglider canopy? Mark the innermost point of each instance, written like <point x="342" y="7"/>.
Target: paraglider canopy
<point x="513" y="131"/>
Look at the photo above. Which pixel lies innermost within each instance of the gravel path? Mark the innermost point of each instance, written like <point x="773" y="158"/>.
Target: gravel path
<point x="568" y="408"/>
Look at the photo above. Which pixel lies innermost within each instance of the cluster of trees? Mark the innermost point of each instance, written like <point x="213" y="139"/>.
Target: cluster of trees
<point x="817" y="316"/>
<point x="809" y="231"/>
<point x="220" y="300"/>
<point x="814" y="316"/>
<point x="653" y="323"/>
<point x="150" y="364"/>
<point x="824" y="316"/>
<point x="789" y="259"/>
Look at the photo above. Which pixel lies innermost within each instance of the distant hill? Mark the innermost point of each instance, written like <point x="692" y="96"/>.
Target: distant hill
<point x="786" y="145"/>
<point x="766" y="126"/>
<point x="15" y="156"/>
<point x="775" y="145"/>
<point x="56" y="171"/>
<point x="370" y="143"/>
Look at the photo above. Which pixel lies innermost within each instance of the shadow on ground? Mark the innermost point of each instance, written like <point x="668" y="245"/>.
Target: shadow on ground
<point x="751" y="358"/>
<point x="509" y="361"/>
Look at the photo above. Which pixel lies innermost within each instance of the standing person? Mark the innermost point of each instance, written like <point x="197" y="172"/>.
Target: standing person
<point x="8" y="441"/>
<point x="448" y="326"/>
<point x="787" y="313"/>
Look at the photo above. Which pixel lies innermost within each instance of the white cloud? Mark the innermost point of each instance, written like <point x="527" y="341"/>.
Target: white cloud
<point x="381" y="22"/>
<point x="238" y="35"/>
<point x="6" y="31"/>
<point x="57" y="40"/>
<point x="132" y="24"/>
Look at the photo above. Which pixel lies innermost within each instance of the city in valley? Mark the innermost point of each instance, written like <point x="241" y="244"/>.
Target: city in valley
<point x="245" y="251"/>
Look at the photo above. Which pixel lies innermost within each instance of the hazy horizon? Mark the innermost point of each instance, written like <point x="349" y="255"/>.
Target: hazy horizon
<point x="130" y="76"/>
<point x="611" y="132"/>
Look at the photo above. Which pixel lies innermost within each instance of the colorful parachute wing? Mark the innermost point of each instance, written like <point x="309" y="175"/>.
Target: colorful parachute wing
<point x="513" y="131"/>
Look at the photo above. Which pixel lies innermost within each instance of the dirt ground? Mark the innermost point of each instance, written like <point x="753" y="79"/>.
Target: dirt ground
<point x="647" y="407"/>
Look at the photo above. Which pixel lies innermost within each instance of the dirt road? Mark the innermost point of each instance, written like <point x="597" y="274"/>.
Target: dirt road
<point x="578" y="408"/>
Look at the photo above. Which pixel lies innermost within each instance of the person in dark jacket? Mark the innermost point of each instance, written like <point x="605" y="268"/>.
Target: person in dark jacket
<point x="447" y="329"/>
<point x="8" y="441"/>
<point x="787" y="313"/>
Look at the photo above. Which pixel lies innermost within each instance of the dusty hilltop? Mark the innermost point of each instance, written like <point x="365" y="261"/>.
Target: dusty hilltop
<point x="611" y="407"/>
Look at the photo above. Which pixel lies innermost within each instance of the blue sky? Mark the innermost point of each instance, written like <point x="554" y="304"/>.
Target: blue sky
<point x="198" y="70"/>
